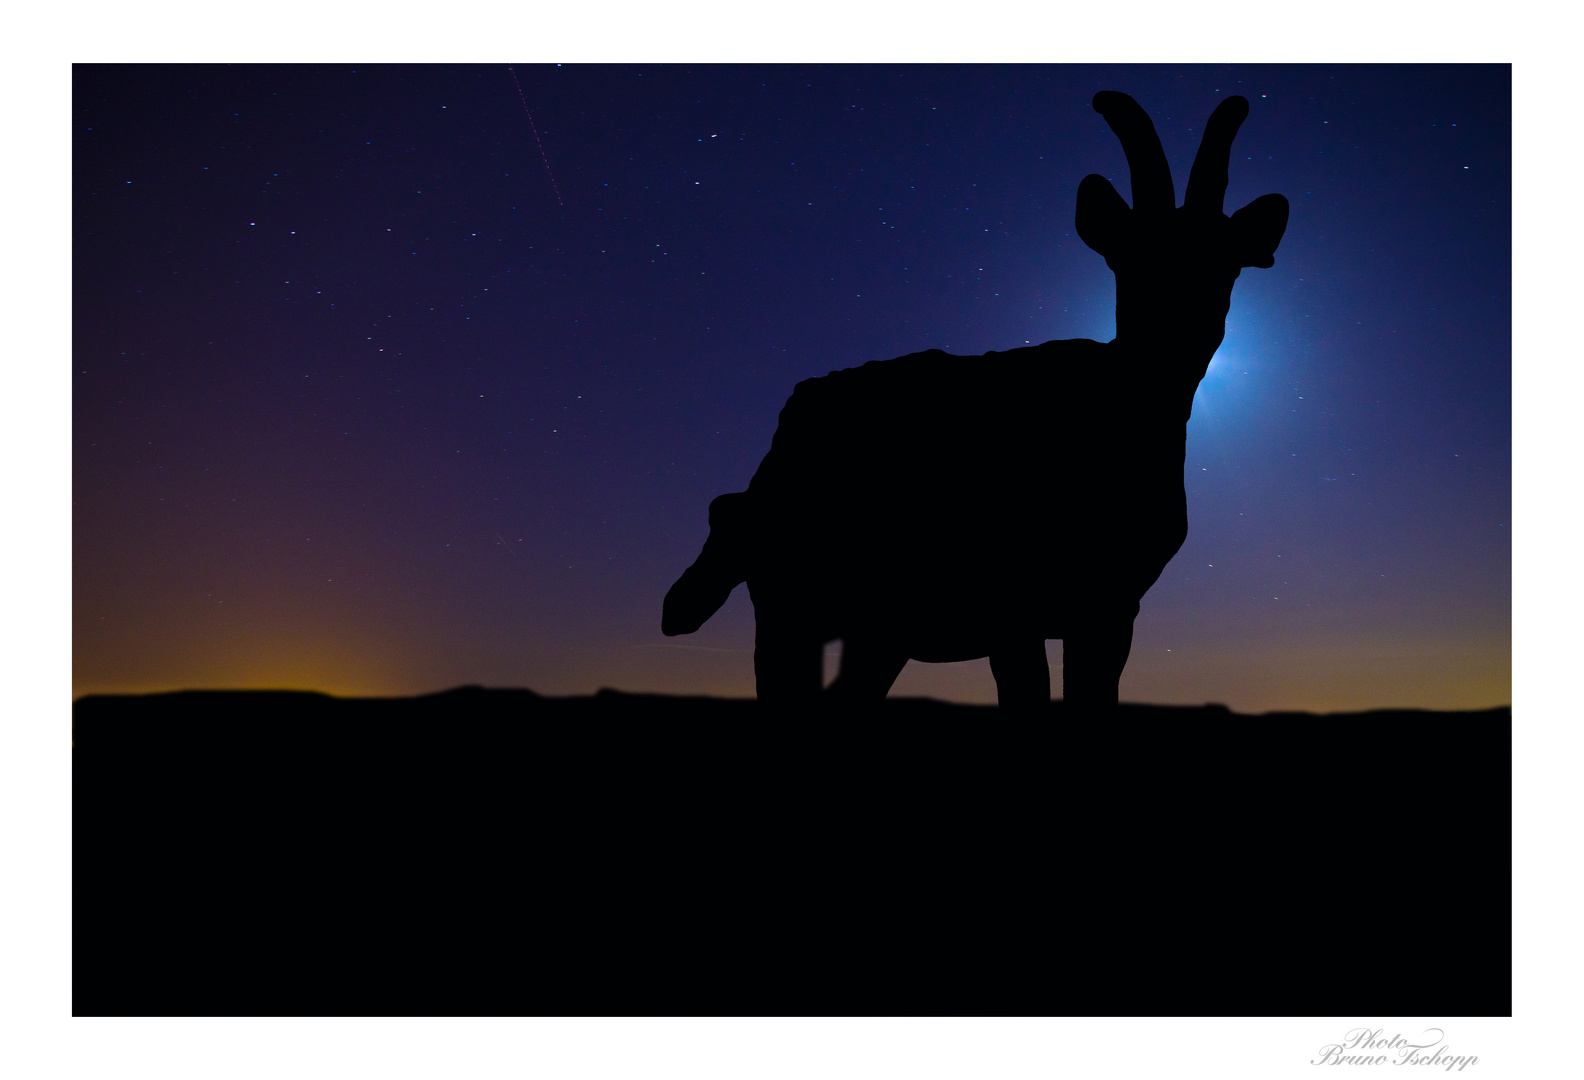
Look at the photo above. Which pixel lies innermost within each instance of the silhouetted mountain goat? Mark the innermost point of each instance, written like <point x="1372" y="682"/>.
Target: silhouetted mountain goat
<point x="942" y="508"/>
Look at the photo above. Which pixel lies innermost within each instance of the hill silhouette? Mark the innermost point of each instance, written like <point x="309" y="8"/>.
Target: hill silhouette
<point x="497" y="852"/>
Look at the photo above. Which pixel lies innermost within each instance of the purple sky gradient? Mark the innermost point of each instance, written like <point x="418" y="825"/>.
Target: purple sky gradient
<point x="375" y="392"/>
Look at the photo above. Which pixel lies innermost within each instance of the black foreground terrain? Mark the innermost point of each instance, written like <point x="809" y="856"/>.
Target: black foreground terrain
<point x="496" y="852"/>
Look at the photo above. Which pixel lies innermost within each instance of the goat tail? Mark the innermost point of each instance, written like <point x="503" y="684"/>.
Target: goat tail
<point x="720" y="568"/>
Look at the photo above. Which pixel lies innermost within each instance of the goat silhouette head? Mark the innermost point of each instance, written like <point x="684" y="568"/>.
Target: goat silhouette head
<point x="1175" y="266"/>
<point x="906" y="506"/>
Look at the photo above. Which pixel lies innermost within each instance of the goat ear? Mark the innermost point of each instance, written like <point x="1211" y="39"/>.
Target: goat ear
<point x="1257" y="229"/>
<point x="1102" y="215"/>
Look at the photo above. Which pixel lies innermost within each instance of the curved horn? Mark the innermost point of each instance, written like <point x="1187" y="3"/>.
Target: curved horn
<point x="1207" y="180"/>
<point x="1152" y="182"/>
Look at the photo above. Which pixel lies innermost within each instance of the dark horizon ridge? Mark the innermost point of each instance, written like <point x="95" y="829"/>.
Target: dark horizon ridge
<point x="497" y="696"/>
<point x="491" y="852"/>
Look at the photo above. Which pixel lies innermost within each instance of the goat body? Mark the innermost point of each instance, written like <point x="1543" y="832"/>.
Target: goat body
<point x="939" y="508"/>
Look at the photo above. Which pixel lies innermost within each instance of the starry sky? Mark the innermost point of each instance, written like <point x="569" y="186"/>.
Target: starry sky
<point x="388" y="379"/>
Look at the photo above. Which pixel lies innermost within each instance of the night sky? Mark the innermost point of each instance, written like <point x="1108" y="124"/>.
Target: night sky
<point x="391" y="379"/>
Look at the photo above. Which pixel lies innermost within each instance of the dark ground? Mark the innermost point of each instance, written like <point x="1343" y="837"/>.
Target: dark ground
<point x="494" y="852"/>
